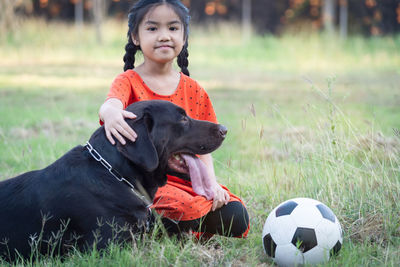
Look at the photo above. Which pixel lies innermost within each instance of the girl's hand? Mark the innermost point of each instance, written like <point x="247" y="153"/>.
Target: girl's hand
<point x="221" y="197"/>
<point x="115" y="125"/>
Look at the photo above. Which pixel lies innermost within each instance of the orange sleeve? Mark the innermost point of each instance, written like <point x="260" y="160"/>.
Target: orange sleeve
<point x="206" y="111"/>
<point x="121" y="88"/>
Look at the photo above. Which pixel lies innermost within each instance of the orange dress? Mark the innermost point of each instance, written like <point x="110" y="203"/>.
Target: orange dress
<point x="176" y="200"/>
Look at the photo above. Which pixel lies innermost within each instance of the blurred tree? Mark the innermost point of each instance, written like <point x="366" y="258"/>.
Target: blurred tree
<point x="99" y="7"/>
<point x="197" y="9"/>
<point x="372" y="17"/>
<point x="343" y="18"/>
<point x="78" y="14"/>
<point x="8" y="14"/>
<point x="246" y="19"/>
<point x="269" y="16"/>
<point x="328" y="16"/>
<point x="369" y="17"/>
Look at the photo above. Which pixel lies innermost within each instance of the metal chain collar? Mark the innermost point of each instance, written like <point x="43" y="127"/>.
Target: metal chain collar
<point x="96" y="155"/>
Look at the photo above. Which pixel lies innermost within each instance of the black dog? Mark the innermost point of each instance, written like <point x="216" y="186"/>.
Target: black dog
<point x="82" y="198"/>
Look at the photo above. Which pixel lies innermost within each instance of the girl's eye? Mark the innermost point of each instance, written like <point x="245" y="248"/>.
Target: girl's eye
<point x="152" y="29"/>
<point x="173" y="28"/>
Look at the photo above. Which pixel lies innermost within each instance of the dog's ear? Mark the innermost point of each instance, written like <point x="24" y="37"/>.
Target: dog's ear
<point x="142" y="152"/>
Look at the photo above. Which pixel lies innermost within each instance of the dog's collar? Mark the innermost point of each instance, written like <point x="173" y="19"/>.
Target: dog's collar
<point x="140" y="192"/>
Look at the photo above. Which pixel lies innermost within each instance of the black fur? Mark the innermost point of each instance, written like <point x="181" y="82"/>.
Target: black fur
<point x="76" y="201"/>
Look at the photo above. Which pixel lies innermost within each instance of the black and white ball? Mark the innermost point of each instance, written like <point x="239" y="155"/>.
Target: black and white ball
<point x="301" y="231"/>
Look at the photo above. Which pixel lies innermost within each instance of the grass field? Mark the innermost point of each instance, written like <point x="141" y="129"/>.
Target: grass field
<point x="308" y="116"/>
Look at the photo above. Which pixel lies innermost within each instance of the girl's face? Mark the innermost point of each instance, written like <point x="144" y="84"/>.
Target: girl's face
<point x="160" y="35"/>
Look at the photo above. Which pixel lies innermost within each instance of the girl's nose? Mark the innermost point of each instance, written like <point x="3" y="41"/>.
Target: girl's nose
<point x="164" y="35"/>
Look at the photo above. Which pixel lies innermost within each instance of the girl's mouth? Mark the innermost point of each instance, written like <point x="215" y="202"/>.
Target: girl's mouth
<point x="164" y="46"/>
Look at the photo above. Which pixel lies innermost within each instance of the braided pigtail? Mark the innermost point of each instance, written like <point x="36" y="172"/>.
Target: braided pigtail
<point x="183" y="61"/>
<point x="129" y="57"/>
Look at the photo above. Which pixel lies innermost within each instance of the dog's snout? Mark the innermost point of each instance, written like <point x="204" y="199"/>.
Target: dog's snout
<point x="223" y="130"/>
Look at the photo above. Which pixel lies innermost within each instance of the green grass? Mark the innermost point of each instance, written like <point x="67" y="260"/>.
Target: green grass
<point x="308" y="116"/>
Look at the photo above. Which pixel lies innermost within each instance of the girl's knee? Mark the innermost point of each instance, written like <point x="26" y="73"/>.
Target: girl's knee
<point x="230" y="220"/>
<point x="237" y="214"/>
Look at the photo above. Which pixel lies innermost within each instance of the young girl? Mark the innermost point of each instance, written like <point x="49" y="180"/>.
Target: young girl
<point x="159" y="29"/>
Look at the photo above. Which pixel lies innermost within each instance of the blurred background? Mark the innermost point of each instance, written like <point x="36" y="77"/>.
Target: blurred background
<point x="253" y="56"/>
<point x="367" y="17"/>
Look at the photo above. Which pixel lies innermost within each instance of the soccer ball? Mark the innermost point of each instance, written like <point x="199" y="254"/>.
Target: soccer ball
<point x="301" y="231"/>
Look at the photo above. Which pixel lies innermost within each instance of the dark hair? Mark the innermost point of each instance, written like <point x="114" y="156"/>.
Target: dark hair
<point x="136" y="15"/>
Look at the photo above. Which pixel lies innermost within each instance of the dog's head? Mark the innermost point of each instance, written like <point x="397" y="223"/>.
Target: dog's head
<point x="164" y="132"/>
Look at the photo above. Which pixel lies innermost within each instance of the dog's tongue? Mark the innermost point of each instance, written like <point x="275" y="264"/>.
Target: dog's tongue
<point x="201" y="181"/>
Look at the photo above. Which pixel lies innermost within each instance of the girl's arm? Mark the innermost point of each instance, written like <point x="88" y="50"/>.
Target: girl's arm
<point x="221" y="197"/>
<point x="113" y="115"/>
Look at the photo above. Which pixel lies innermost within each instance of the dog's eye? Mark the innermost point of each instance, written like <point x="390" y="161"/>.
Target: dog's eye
<point x="184" y="119"/>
